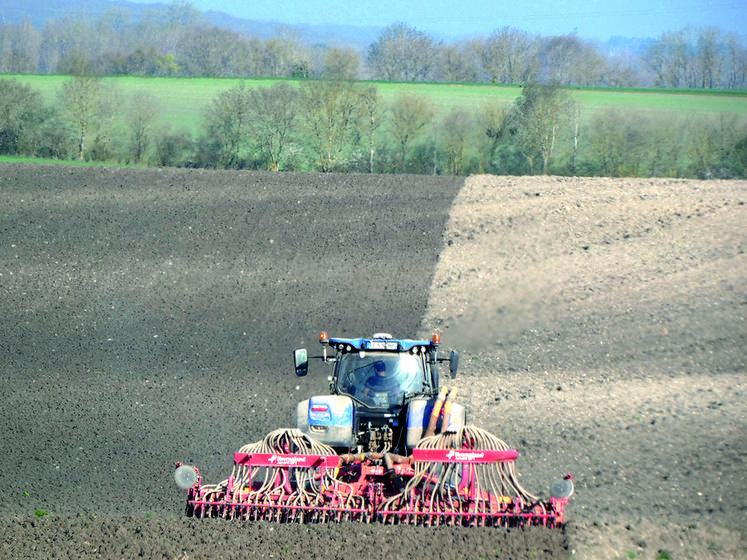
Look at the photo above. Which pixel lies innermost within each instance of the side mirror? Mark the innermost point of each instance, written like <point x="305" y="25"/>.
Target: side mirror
<point x="453" y="363"/>
<point x="301" y="360"/>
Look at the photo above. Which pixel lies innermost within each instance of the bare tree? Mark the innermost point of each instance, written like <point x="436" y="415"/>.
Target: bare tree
<point x="668" y="58"/>
<point x="735" y="63"/>
<point x="509" y="56"/>
<point x="373" y="111"/>
<point x="341" y="64"/>
<point x="492" y="120"/>
<point x="20" y="48"/>
<point x="107" y="140"/>
<point x="81" y="101"/>
<point x="402" y="53"/>
<point x="211" y="51"/>
<point x="251" y="54"/>
<point x="593" y="67"/>
<point x="330" y="113"/>
<point x="456" y="63"/>
<point x="182" y="13"/>
<point x="621" y="73"/>
<point x="569" y="61"/>
<point x="142" y="115"/>
<point x="118" y="19"/>
<point x="286" y="57"/>
<point x="537" y="119"/>
<point x="697" y="58"/>
<point x="708" y="65"/>
<point x="711" y="144"/>
<point x="228" y="122"/>
<point x="273" y="113"/>
<point x="616" y="143"/>
<point x="455" y="131"/>
<point x="410" y="113"/>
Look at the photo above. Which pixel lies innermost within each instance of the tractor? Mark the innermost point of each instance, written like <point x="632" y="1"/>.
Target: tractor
<point x="388" y="445"/>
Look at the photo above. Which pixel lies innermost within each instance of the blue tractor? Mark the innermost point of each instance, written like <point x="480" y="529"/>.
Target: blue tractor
<point x="384" y="396"/>
<point x="387" y="444"/>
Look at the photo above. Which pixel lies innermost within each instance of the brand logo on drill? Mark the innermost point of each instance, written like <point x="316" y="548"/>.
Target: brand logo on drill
<point x="465" y="456"/>
<point x="287" y="461"/>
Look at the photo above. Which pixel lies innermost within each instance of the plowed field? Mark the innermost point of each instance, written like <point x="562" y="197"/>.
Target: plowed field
<point x="149" y="317"/>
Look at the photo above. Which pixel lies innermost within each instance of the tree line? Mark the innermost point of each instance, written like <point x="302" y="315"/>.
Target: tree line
<point x="345" y="126"/>
<point x="177" y="40"/>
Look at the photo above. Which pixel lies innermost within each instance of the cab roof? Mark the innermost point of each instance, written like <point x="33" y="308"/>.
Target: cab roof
<point x="379" y="341"/>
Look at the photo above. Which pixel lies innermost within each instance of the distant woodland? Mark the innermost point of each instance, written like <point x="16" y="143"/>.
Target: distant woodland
<point x="325" y="112"/>
<point x="178" y="40"/>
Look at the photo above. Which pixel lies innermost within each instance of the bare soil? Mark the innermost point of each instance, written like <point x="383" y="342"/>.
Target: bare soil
<point x="603" y="329"/>
<point x="149" y="317"/>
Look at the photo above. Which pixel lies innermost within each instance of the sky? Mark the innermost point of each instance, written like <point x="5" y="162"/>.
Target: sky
<point x="457" y="19"/>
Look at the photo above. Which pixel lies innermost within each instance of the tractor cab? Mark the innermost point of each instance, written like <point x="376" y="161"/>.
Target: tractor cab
<point x="380" y="379"/>
<point x="379" y="389"/>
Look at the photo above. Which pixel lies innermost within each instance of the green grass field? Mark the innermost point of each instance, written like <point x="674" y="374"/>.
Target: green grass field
<point x="182" y="100"/>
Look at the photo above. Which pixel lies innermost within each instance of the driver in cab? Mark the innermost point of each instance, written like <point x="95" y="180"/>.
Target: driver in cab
<point x="382" y="389"/>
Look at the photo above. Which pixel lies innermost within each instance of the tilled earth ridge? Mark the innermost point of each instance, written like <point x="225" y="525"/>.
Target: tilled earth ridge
<point x="149" y="316"/>
<point x="602" y="324"/>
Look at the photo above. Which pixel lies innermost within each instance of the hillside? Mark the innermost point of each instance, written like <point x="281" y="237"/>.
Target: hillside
<point x="40" y="12"/>
<point x="358" y="37"/>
